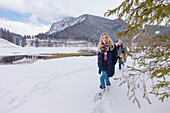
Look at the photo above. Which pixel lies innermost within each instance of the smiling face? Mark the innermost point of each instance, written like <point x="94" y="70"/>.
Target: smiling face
<point x="104" y="39"/>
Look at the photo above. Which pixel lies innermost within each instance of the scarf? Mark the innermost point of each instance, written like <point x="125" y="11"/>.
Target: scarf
<point x="104" y="51"/>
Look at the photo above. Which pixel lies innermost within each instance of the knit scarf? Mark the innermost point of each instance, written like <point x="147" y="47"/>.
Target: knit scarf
<point x="104" y="51"/>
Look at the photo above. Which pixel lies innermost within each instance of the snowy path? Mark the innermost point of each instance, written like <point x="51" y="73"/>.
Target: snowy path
<point x="65" y="85"/>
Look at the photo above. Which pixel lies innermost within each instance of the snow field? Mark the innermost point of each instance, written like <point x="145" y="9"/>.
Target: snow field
<point x="65" y="85"/>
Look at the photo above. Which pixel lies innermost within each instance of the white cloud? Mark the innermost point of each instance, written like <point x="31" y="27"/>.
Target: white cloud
<point x="33" y="19"/>
<point x="23" y="28"/>
<point x="50" y="10"/>
<point x="13" y="5"/>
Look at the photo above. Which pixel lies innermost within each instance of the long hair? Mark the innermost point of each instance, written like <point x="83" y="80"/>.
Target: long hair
<point x="120" y="42"/>
<point x="109" y="41"/>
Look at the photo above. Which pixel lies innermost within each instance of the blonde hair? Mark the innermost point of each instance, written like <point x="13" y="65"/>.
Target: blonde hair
<point x="120" y="42"/>
<point x="109" y="41"/>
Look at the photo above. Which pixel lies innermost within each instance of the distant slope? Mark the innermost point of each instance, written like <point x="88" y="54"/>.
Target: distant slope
<point x="6" y="44"/>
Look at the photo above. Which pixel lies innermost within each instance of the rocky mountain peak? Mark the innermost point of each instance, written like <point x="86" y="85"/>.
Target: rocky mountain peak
<point x="67" y="22"/>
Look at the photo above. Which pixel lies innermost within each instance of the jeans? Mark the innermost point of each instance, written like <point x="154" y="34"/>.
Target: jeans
<point x="104" y="79"/>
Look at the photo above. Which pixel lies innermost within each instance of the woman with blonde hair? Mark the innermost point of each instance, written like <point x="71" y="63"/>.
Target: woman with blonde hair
<point x="107" y="58"/>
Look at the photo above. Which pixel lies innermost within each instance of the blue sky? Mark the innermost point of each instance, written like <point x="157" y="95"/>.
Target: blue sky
<point x="14" y="16"/>
<point x="35" y="16"/>
<point x="11" y="15"/>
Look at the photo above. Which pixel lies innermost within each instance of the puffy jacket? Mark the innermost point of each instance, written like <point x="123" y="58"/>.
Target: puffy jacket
<point x="112" y="57"/>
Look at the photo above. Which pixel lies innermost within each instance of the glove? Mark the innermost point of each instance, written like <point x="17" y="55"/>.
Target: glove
<point x="120" y="59"/>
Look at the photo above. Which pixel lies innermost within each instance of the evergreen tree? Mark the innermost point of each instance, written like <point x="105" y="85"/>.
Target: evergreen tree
<point x="10" y="37"/>
<point x="153" y="51"/>
<point x="23" y="42"/>
<point x="17" y="41"/>
<point x="25" y="36"/>
<point x="32" y="43"/>
<point x="36" y="43"/>
<point x="50" y="44"/>
<point x="0" y="32"/>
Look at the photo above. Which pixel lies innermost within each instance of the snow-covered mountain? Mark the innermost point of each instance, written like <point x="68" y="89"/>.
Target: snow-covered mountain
<point x="85" y="28"/>
<point x="6" y="44"/>
<point x="67" y="22"/>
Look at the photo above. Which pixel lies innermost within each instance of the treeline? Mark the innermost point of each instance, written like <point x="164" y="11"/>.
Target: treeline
<point x="18" y="39"/>
<point x="12" y="37"/>
<point x="5" y="34"/>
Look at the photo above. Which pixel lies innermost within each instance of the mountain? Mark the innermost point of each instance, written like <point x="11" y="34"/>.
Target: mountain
<point x="84" y="30"/>
<point x="61" y="25"/>
<point x="85" y="27"/>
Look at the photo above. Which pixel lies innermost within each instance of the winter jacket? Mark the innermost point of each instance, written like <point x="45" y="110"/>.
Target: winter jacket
<point x="111" y="61"/>
<point x="121" y="49"/>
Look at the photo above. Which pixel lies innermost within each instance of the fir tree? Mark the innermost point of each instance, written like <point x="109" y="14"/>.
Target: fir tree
<point x="152" y="52"/>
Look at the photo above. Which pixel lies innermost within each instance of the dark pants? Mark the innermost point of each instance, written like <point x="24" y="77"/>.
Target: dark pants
<point x="120" y="62"/>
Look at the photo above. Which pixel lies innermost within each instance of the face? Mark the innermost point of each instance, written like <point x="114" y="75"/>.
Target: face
<point x="104" y="39"/>
<point x="119" y="44"/>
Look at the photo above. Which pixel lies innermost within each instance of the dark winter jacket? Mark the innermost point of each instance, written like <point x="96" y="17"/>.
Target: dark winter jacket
<point x="121" y="49"/>
<point x="111" y="61"/>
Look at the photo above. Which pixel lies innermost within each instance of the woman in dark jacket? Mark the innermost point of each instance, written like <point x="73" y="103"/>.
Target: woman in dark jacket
<point x="121" y="53"/>
<point x="107" y="58"/>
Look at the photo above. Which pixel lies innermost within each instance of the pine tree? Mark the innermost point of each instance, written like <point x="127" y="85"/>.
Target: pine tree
<point x="36" y="43"/>
<point x="23" y="42"/>
<point x="0" y="32"/>
<point x="50" y="44"/>
<point x="10" y="37"/>
<point x="152" y="52"/>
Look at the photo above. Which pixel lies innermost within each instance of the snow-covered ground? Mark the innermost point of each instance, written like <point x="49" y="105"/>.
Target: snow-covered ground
<point x="6" y="44"/>
<point x="65" y="85"/>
